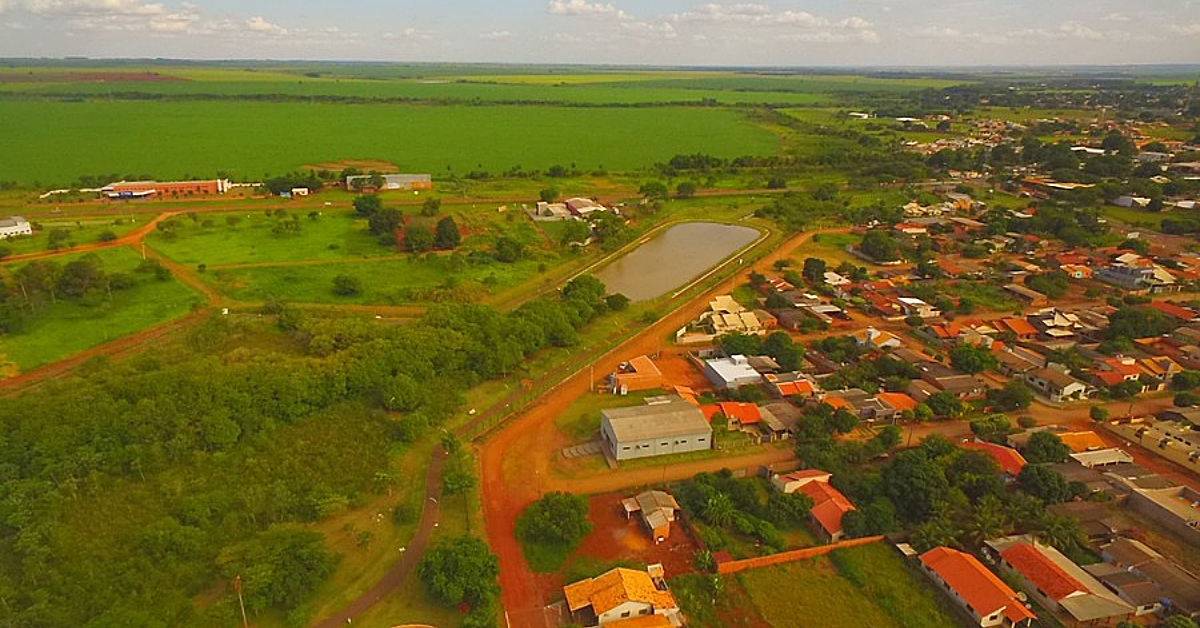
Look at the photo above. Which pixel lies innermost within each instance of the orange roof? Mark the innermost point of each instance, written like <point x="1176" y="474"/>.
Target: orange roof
<point x="1166" y="307"/>
<point x="799" y="387"/>
<point x="745" y="413"/>
<point x="899" y="401"/>
<point x="1010" y="460"/>
<point x="614" y="588"/>
<point x="1041" y="571"/>
<point x="641" y="621"/>
<point x="1108" y="378"/>
<point x="828" y="505"/>
<point x="838" y="402"/>
<point x="710" y="410"/>
<point x="1082" y="441"/>
<point x="1019" y="326"/>
<point x="975" y="584"/>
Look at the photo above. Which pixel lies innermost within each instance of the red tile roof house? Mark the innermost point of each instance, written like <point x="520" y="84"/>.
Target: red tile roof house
<point x="1059" y="584"/>
<point x="1170" y="309"/>
<point x="1010" y="460"/>
<point x="738" y="415"/>
<point x="829" y="505"/>
<point x="985" y="597"/>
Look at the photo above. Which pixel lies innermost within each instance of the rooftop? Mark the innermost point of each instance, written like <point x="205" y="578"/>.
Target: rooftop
<point x="614" y="588"/>
<point x="976" y="584"/>
<point x="675" y="418"/>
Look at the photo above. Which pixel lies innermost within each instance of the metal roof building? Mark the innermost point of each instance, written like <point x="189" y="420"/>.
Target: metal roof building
<point x="670" y="427"/>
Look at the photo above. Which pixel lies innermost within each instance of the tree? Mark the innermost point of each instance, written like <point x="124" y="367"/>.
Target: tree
<point x="366" y="205"/>
<point x="431" y="206"/>
<point x="460" y="570"/>
<point x="988" y="520"/>
<point x="1098" y="413"/>
<point x="880" y="246"/>
<point x="1185" y="380"/>
<point x="509" y="250"/>
<point x="447" y="235"/>
<point x="557" y="518"/>
<point x="278" y="567"/>
<point x="1044" y="483"/>
<point x="418" y="239"/>
<point x="575" y="231"/>
<point x="945" y="405"/>
<point x="347" y="286"/>
<point x="1045" y="447"/>
<point x="719" y="510"/>
<point x="740" y="344"/>
<point x="654" y="190"/>
<point x="913" y="483"/>
<point x="1186" y="400"/>
<point x="685" y="189"/>
<point x="81" y="276"/>
<point x="814" y="270"/>
<point x="548" y="195"/>
<point x="1015" y="395"/>
<point x="385" y="221"/>
<point x="971" y="359"/>
<point x="1179" y="621"/>
<point x="616" y="302"/>
<point x="994" y="428"/>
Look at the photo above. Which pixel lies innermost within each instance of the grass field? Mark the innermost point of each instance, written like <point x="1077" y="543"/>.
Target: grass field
<point x="862" y="586"/>
<point x="60" y="141"/>
<point x="65" y="328"/>
<point x="83" y="230"/>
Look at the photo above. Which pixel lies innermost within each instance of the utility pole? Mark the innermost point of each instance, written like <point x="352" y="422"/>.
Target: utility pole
<point x="237" y="586"/>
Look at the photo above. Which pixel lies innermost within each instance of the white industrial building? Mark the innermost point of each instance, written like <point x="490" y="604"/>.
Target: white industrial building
<point x="14" y="226"/>
<point x="665" y="425"/>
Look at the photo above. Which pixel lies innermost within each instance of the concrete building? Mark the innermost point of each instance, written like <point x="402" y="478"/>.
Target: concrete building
<point x="829" y="504"/>
<point x="1057" y="386"/>
<point x="1177" y="508"/>
<point x="140" y="189"/>
<point x="14" y="226"/>
<point x="640" y="373"/>
<point x="671" y="426"/>
<point x="391" y="182"/>
<point x="732" y="372"/>
<point x="975" y="588"/>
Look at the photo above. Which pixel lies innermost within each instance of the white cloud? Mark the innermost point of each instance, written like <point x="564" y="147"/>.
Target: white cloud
<point x="258" y="24"/>
<point x="1078" y="31"/>
<point x="14" y="26"/>
<point x="1188" y="30"/>
<point x="792" y="25"/>
<point x="1115" y="17"/>
<point x="496" y="35"/>
<point x="583" y="7"/>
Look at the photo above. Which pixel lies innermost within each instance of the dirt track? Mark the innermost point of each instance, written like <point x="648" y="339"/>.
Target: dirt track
<point x="510" y="481"/>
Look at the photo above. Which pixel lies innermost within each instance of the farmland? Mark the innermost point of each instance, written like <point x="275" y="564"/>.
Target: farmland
<point x="60" y="141"/>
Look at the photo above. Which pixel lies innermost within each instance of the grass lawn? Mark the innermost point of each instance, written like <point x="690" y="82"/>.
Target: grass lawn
<point x="830" y="247"/>
<point x="210" y="238"/>
<point x="59" y="141"/>
<point x="864" y="586"/>
<point x="388" y="281"/>
<point x="986" y="296"/>
<point x="1135" y="217"/>
<point x="581" y="419"/>
<point x="66" y="327"/>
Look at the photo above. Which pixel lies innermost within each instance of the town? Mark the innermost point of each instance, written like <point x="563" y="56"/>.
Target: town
<point x="920" y="353"/>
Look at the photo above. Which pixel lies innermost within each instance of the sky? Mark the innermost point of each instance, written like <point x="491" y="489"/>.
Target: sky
<point x="805" y="33"/>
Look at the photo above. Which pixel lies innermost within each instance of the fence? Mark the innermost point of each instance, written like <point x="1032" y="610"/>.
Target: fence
<point x="735" y="566"/>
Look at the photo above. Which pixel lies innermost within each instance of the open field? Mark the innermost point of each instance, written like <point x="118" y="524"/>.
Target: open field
<point x="61" y="140"/>
<point x="84" y="230"/>
<point x="66" y="327"/>
<point x="862" y="586"/>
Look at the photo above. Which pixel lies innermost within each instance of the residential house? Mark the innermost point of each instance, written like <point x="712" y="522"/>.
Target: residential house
<point x="583" y="207"/>
<point x="1018" y="327"/>
<point x="946" y="379"/>
<point x="1015" y="364"/>
<point x="912" y="306"/>
<point x="640" y="373"/>
<point x="1101" y="457"/>
<point x="885" y="305"/>
<point x="1057" y="386"/>
<point x="1095" y="519"/>
<point x="1181" y="587"/>
<point x="974" y="587"/>
<point x="792" y="385"/>
<point x="1116" y="370"/>
<point x="657" y="510"/>
<point x="1134" y="588"/>
<point x="1010" y="460"/>
<point x="835" y="280"/>
<point x="897" y="402"/>
<point x="737" y="415"/>
<point x="1138" y="274"/>
<point x="829" y="505"/>
<point x="667" y="426"/>
<point x="876" y="339"/>
<point x="1173" y="310"/>
<point x="1032" y="298"/>
<point x="1177" y="508"/>
<point x="619" y="595"/>
<point x="1056" y="582"/>
<point x="779" y="420"/>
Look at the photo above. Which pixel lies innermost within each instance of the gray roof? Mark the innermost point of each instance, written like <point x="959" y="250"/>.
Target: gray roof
<point x="1181" y="587"/>
<point x="1129" y="553"/>
<point x="780" y="415"/>
<point x="12" y="222"/>
<point x="677" y="418"/>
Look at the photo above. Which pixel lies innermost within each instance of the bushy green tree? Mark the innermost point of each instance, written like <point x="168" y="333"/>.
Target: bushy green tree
<point x="556" y="518"/>
<point x="278" y="567"/>
<point x="1045" y="447"/>
<point x="460" y="570"/>
<point x="447" y="235"/>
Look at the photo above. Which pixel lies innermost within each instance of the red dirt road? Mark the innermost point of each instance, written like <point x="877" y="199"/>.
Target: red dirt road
<point x="516" y="460"/>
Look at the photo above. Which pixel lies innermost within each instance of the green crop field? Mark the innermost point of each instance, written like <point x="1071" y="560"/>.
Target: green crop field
<point x="65" y="327"/>
<point x="59" y="141"/>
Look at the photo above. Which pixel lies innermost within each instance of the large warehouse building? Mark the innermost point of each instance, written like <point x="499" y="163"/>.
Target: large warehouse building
<point x="139" y="189"/>
<point x="665" y="425"/>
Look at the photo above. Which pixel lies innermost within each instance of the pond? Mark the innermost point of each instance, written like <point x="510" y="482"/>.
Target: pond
<point x="673" y="258"/>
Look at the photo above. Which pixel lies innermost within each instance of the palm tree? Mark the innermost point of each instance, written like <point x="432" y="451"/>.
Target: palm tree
<point x="988" y="521"/>
<point x="719" y="509"/>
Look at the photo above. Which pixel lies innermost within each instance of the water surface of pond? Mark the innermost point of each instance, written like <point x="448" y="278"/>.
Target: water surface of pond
<point x="673" y="258"/>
